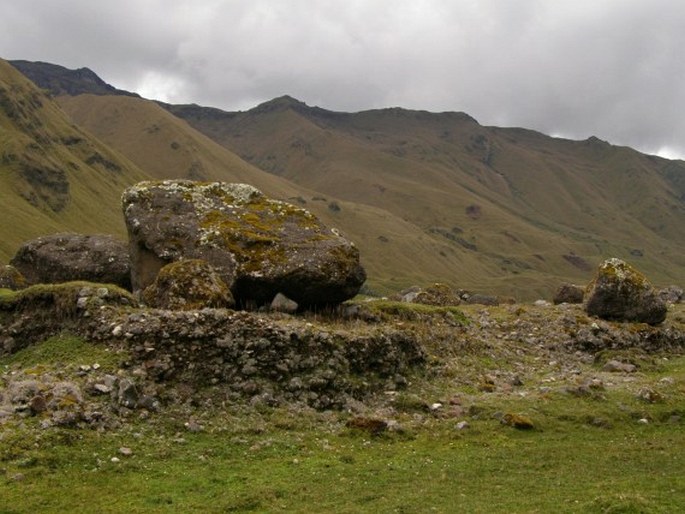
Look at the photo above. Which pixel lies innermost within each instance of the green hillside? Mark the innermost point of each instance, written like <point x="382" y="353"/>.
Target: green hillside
<point x="53" y="175"/>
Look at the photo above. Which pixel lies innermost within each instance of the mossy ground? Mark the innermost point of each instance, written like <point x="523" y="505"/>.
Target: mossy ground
<point x="603" y="448"/>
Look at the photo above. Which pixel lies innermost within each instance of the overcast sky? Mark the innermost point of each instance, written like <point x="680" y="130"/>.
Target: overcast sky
<point x="573" y="68"/>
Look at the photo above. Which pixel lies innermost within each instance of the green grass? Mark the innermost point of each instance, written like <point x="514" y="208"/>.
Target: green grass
<point x="490" y="469"/>
<point x="60" y="351"/>
<point x="290" y="460"/>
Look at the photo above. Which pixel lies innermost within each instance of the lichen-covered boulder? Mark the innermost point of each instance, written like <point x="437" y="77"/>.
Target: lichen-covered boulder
<point x="259" y="246"/>
<point x="67" y="257"/>
<point x="569" y="293"/>
<point x="187" y="285"/>
<point x="620" y="292"/>
<point x="11" y="278"/>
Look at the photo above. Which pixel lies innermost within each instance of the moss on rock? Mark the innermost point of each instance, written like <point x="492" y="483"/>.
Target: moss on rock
<point x="187" y="285"/>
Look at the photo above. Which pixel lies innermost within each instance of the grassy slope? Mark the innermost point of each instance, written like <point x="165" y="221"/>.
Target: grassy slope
<point x="540" y="198"/>
<point x="53" y="175"/>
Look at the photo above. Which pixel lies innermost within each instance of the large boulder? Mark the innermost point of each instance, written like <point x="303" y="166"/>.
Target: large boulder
<point x="620" y="292"/>
<point x="61" y="258"/>
<point x="259" y="246"/>
<point x="187" y="285"/>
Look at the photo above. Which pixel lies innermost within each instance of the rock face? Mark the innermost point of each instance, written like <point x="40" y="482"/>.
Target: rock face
<point x="620" y="292"/>
<point x="187" y="285"/>
<point x="259" y="246"/>
<point x="11" y="278"/>
<point x="65" y="257"/>
<point x="569" y="293"/>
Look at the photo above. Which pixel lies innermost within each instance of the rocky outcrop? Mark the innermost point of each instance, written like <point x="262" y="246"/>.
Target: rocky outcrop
<point x="188" y="285"/>
<point x="259" y="246"/>
<point x="11" y="278"/>
<point x="569" y="293"/>
<point x="61" y="258"/>
<point x="620" y="292"/>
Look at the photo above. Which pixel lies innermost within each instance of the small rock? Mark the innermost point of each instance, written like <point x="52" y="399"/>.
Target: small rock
<point x="282" y="303"/>
<point x="37" y="404"/>
<point x="374" y="426"/>
<point x="649" y="395"/>
<point x="643" y="421"/>
<point x="617" y="366"/>
<point x="128" y="393"/>
<point x="127" y="452"/>
<point x="102" y="389"/>
<point x="115" y="459"/>
<point x="463" y="425"/>
<point x="193" y="426"/>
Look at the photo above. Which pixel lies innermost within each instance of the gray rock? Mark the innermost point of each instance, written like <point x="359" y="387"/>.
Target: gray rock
<point x="569" y="293"/>
<point x="483" y="299"/>
<point x="672" y="294"/>
<point x="618" y="366"/>
<point x="128" y="394"/>
<point x="620" y="292"/>
<point x="267" y="245"/>
<point x="282" y="303"/>
<point x="65" y="257"/>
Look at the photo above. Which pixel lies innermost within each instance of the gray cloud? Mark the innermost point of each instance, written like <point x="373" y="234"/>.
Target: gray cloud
<point x="610" y="68"/>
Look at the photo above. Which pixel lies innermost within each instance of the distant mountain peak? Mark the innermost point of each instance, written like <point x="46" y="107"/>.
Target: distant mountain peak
<point x="281" y="103"/>
<point x="59" y="80"/>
